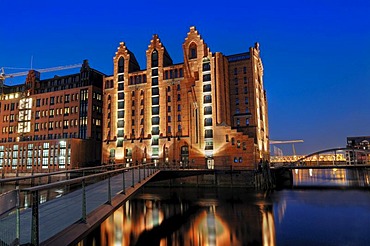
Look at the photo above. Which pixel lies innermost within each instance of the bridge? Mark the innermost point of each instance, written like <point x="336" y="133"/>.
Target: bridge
<point x="335" y="156"/>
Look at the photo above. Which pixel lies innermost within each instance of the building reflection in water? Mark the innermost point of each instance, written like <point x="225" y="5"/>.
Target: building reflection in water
<point x="331" y="177"/>
<point x="149" y="220"/>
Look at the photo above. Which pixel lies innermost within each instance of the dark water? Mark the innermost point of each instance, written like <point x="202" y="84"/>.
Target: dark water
<point x="215" y="216"/>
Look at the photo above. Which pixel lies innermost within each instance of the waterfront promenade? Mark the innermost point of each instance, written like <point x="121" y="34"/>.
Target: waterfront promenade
<point x="61" y="220"/>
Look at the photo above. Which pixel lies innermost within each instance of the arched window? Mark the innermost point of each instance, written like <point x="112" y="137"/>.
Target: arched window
<point x="155" y="58"/>
<point x="121" y="64"/>
<point x="192" y="51"/>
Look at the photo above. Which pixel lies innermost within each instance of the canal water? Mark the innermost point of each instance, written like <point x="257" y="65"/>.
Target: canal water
<point x="335" y="212"/>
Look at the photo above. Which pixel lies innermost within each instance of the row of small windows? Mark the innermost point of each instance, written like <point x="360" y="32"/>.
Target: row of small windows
<point x="237" y="90"/>
<point x="41" y="137"/>
<point x="236" y="80"/>
<point x="59" y="111"/>
<point x="173" y="73"/>
<point x="62" y="81"/>
<point x="238" y="143"/>
<point x="58" y="99"/>
<point x="138" y="79"/>
<point x="246" y="100"/>
<point x="236" y="70"/>
<point x="239" y="124"/>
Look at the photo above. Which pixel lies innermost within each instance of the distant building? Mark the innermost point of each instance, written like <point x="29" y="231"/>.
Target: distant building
<point x="52" y="124"/>
<point x="210" y="110"/>
<point x="356" y="156"/>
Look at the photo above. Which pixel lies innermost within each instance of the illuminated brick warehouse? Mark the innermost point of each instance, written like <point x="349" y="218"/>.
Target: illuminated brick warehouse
<point x="52" y="124"/>
<point x="209" y="111"/>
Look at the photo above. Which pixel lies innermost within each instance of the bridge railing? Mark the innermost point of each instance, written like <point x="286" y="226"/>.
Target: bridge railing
<point x="137" y="174"/>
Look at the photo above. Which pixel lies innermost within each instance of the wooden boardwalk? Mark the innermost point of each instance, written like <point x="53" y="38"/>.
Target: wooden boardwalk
<point x="60" y="213"/>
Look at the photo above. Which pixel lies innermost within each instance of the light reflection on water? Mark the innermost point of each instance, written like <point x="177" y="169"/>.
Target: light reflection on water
<point x="338" y="177"/>
<point x="216" y="216"/>
<point x="189" y="216"/>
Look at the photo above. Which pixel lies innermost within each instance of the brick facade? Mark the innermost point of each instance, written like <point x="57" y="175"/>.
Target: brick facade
<point x="209" y="111"/>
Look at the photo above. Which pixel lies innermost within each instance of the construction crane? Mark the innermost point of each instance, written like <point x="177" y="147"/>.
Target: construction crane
<point x="287" y="142"/>
<point x="4" y="76"/>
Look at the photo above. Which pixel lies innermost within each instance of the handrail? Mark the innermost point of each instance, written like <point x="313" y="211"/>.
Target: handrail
<point x="6" y="180"/>
<point x="78" y="180"/>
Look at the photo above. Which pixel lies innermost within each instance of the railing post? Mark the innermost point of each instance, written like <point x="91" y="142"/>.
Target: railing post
<point x="144" y="172"/>
<point x="17" y="234"/>
<point x="123" y="183"/>
<point x="109" y="192"/>
<point x="139" y="175"/>
<point x="35" y="218"/>
<point x="133" y="177"/>
<point x="83" y="217"/>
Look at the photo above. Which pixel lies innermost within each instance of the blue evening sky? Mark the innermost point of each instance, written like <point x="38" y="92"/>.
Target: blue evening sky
<point x="316" y="54"/>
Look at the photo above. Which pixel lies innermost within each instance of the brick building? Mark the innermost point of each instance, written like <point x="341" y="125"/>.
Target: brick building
<point x="52" y="124"/>
<point x="209" y="111"/>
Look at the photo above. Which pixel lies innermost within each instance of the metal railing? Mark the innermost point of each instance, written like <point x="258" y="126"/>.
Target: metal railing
<point x="95" y="189"/>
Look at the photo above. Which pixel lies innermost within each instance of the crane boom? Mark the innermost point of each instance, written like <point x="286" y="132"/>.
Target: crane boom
<point x="285" y="142"/>
<point x="3" y="76"/>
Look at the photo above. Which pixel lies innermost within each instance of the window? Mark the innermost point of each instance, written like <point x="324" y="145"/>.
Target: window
<point x="236" y="101"/>
<point x="237" y="121"/>
<point x="121" y="65"/>
<point x="178" y="97"/>
<point x="208" y="122"/>
<point x="245" y="90"/>
<point x="247" y="122"/>
<point x="238" y="144"/>
<point x="244" y="70"/>
<point x="154" y="72"/>
<point x="155" y="110"/>
<point x="169" y="118"/>
<point x="236" y="159"/>
<point x="179" y="117"/>
<point x="120" y="86"/>
<point x="121" y="105"/>
<point x="206" y="77"/>
<point x="207" y="99"/>
<point x="155" y="120"/>
<point x="155" y="100"/>
<point x="38" y="101"/>
<point x="227" y="138"/>
<point x="208" y="133"/>
<point x="192" y="51"/>
<point x="154" y="81"/>
<point x="206" y="66"/>
<point x="121" y="96"/>
<point x="246" y="100"/>
<point x="235" y="71"/>
<point x="155" y="58"/>
<point x="168" y="98"/>
<point x="207" y="88"/>
<point x="245" y="80"/>
<point x="178" y="107"/>
<point x="236" y="91"/>
<point x="51" y="100"/>
<point x="155" y="91"/>
<point x="208" y="110"/>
